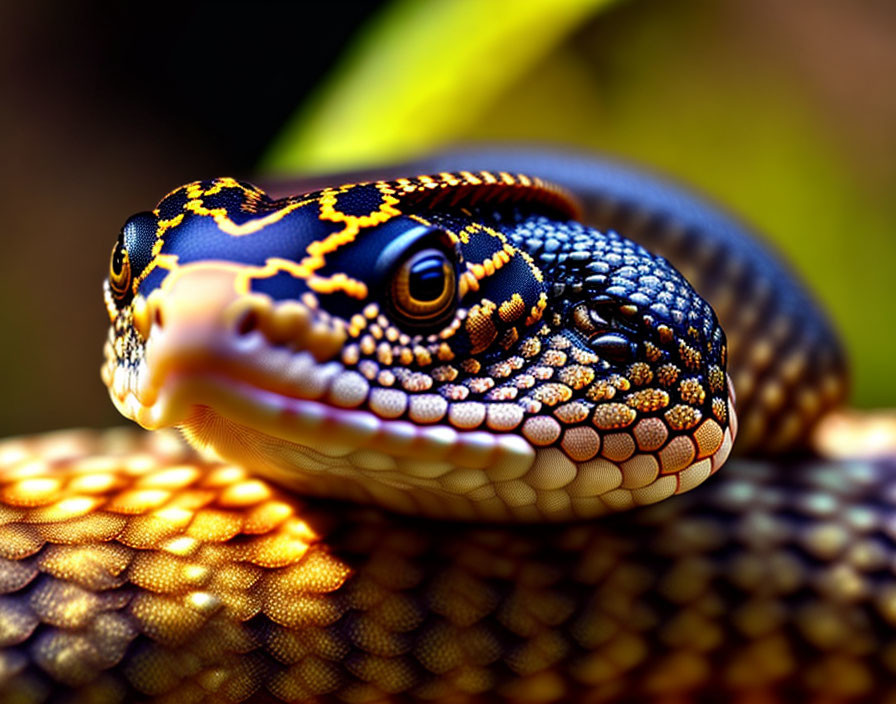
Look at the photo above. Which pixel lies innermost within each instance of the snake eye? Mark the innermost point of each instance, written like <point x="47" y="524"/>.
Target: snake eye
<point x="120" y="270"/>
<point x="424" y="287"/>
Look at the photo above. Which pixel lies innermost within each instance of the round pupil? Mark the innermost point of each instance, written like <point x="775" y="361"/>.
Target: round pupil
<point x="427" y="278"/>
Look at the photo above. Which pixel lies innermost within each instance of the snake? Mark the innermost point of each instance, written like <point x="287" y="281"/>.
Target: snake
<point x="448" y="438"/>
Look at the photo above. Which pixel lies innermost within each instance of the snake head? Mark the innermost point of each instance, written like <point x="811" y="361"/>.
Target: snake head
<point x="453" y="345"/>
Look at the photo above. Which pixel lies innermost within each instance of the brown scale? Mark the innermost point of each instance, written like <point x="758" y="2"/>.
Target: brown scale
<point x="692" y="392"/>
<point x="613" y="415"/>
<point x="691" y="357"/>
<point x="640" y="374"/>
<point x="551" y="394"/>
<point x="720" y="410"/>
<point x="668" y="374"/>
<point x="444" y="373"/>
<point x="576" y="376"/>
<point x="509" y="338"/>
<point x="601" y="390"/>
<point x="574" y="412"/>
<point x="682" y="417"/>
<point x="648" y="400"/>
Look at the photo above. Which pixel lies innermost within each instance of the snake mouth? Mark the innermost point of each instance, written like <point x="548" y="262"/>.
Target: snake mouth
<point x="433" y="471"/>
<point x="204" y="356"/>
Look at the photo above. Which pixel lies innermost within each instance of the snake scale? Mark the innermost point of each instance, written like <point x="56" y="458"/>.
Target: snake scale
<point x="479" y="352"/>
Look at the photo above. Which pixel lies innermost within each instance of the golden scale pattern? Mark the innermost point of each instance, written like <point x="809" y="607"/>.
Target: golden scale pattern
<point x="130" y="570"/>
<point x="622" y="458"/>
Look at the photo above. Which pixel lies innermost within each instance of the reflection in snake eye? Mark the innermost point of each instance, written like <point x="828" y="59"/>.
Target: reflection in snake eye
<point x="613" y="348"/>
<point x="424" y="287"/>
<point x="120" y="270"/>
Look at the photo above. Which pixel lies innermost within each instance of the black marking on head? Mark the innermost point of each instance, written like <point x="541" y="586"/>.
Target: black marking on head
<point x="282" y="286"/>
<point x="152" y="281"/>
<point x="360" y="200"/>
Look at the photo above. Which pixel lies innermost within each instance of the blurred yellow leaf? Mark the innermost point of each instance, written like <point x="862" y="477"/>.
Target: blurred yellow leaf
<point x="691" y="88"/>
<point x="421" y="74"/>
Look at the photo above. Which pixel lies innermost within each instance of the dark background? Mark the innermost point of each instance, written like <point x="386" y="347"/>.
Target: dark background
<point x="105" y="107"/>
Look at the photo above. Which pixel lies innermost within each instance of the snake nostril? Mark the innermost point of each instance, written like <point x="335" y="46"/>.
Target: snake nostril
<point x="158" y="318"/>
<point x="247" y="323"/>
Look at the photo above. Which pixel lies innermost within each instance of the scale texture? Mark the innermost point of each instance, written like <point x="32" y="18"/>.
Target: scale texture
<point x="133" y="571"/>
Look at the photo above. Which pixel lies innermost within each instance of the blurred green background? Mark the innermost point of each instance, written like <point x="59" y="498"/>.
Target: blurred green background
<point x="785" y="112"/>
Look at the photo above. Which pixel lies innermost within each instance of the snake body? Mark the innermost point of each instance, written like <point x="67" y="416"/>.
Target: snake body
<point x="457" y="346"/>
